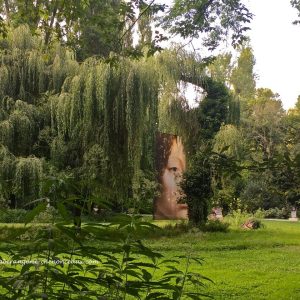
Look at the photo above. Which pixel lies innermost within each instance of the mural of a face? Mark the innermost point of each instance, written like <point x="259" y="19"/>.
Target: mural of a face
<point x="174" y="164"/>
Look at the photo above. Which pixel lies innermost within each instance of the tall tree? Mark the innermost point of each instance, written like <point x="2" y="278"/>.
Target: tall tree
<point x="265" y="121"/>
<point x="243" y="76"/>
<point x="220" y="69"/>
<point x="212" y="20"/>
<point x="89" y="27"/>
<point x="213" y="109"/>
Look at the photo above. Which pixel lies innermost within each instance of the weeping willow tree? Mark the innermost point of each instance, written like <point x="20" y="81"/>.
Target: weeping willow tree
<point x="7" y="172"/>
<point x="176" y="116"/>
<point x="112" y="108"/>
<point x="29" y="74"/>
<point x="228" y="180"/>
<point x="28" y="69"/>
<point x="93" y="119"/>
<point x="28" y="175"/>
<point x="230" y="141"/>
<point x="20" y="178"/>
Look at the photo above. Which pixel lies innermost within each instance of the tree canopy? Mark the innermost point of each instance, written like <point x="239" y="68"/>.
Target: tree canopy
<point x="85" y="86"/>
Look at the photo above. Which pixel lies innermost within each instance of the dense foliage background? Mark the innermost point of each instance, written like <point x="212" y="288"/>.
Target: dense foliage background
<point x="85" y="89"/>
<point x="81" y="100"/>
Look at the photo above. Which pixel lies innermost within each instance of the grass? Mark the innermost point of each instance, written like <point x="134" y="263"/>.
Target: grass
<point x="257" y="264"/>
<point x="254" y="264"/>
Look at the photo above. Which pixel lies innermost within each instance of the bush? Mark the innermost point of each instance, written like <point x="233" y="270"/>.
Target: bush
<point x="277" y="213"/>
<point x="196" y="187"/>
<point x="215" y="226"/>
<point x="102" y="215"/>
<point x="174" y="230"/>
<point x="257" y="194"/>
<point x="259" y="214"/>
<point x="12" y="216"/>
<point x="257" y="224"/>
<point x="236" y="218"/>
<point x="252" y="224"/>
<point x="50" y="215"/>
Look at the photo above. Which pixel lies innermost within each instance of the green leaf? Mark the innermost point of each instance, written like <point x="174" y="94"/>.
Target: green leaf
<point x="70" y="232"/>
<point x="25" y="268"/>
<point x="154" y="296"/>
<point x="132" y="273"/>
<point x="64" y="212"/>
<point x="10" y="270"/>
<point x="34" y="212"/>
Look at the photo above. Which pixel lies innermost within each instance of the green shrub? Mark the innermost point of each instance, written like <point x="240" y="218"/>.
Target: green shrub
<point x="215" y="226"/>
<point x="196" y="187"/>
<point x="257" y="224"/>
<point x="102" y="215"/>
<point x="174" y="230"/>
<point x="277" y="213"/>
<point x="236" y="218"/>
<point x="170" y="229"/>
<point x="13" y="216"/>
<point x="252" y="223"/>
<point x="50" y="215"/>
<point x="259" y="214"/>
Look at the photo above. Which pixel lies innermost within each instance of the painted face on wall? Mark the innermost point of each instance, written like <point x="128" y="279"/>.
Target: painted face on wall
<point x="166" y="205"/>
<point x="172" y="174"/>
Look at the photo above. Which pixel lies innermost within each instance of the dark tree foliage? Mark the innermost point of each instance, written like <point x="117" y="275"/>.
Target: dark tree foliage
<point x="99" y="27"/>
<point x="3" y="29"/>
<point x="196" y="186"/>
<point x="212" y="20"/>
<point x="89" y="27"/>
<point x="213" y="110"/>
<point x="286" y="177"/>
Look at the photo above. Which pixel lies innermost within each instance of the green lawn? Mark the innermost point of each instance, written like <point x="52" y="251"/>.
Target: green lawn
<point x="257" y="264"/>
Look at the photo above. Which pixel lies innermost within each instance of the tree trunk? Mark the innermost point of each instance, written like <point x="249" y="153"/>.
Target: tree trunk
<point x="49" y="29"/>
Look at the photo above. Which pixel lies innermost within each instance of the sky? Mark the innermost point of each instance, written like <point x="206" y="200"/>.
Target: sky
<point x="276" y="45"/>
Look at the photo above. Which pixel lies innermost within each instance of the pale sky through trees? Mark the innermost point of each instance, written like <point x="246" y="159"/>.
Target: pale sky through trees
<point x="276" y="44"/>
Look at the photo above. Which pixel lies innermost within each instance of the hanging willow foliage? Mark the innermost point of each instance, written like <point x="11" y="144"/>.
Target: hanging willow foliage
<point x="95" y="163"/>
<point x="26" y="71"/>
<point x="176" y="68"/>
<point x="28" y="176"/>
<point x="114" y="107"/>
<point x="7" y="165"/>
<point x="64" y="65"/>
<point x="4" y="79"/>
<point x="59" y="152"/>
<point x="20" y="126"/>
<point x="6" y="133"/>
<point x="76" y="116"/>
<point x="229" y="140"/>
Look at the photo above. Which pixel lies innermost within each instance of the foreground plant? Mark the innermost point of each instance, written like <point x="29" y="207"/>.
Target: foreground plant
<point x="101" y="261"/>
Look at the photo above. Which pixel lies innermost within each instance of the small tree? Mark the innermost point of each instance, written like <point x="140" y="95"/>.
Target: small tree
<point x="196" y="186"/>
